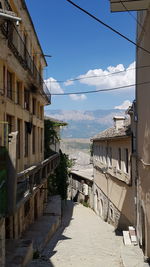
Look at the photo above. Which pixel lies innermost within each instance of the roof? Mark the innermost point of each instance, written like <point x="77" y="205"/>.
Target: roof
<point x="112" y="132"/>
<point x="84" y="173"/>
<point x="58" y="122"/>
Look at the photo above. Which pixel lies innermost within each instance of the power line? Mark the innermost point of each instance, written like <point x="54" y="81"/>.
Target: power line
<point x="96" y="76"/>
<point x="107" y="26"/>
<point x="89" y="92"/>
<point x="101" y="90"/>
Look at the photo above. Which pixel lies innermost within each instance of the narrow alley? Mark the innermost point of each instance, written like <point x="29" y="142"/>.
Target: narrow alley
<point x="83" y="240"/>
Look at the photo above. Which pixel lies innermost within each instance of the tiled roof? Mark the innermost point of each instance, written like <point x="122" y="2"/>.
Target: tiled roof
<point x="114" y="133"/>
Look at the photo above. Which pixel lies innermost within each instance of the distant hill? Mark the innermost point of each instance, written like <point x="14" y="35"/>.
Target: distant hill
<point x="84" y="124"/>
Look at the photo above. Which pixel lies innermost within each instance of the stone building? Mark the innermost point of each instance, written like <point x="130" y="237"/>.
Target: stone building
<point x="140" y="120"/>
<point x="23" y="95"/>
<point x="113" y="191"/>
<point x="81" y="185"/>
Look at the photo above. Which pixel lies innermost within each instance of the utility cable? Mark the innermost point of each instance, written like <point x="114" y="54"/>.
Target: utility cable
<point x="89" y="92"/>
<point x="96" y="76"/>
<point x="107" y="26"/>
<point x="101" y="90"/>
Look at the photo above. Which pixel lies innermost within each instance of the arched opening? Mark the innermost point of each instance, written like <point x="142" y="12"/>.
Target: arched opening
<point x="96" y="201"/>
<point x="101" y="208"/>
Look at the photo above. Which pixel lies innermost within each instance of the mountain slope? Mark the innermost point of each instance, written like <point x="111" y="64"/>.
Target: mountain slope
<point x="84" y="124"/>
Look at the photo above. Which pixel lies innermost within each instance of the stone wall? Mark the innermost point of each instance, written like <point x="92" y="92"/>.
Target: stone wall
<point x="2" y="242"/>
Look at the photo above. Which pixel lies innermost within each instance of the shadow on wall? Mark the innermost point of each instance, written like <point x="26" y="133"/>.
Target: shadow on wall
<point x="123" y="213"/>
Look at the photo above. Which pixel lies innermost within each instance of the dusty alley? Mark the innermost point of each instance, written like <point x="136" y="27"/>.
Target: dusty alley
<point x="82" y="240"/>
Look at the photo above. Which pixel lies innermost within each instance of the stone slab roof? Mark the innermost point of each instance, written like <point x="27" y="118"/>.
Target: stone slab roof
<point x="112" y="132"/>
<point x="84" y="173"/>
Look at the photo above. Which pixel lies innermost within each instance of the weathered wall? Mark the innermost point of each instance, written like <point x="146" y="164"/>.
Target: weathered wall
<point x="115" y="200"/>
<point x="2" y="242"/>
<point x="143" y="133"/>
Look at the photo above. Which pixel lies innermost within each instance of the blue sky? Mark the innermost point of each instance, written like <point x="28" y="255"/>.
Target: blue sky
<point x="81" y="46"/>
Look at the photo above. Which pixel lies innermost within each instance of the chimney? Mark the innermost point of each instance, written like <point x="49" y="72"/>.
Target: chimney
<point x="119" y="122"/>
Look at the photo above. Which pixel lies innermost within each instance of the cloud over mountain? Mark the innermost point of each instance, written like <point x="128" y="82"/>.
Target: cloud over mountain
<point x="125" y="105"/>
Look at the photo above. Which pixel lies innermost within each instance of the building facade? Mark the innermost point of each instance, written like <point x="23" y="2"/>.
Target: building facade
<point x="143" y="132"/>
<point x="140" y="120"/>
<point x="113" y="191"/>
<point x="23" y="95"/>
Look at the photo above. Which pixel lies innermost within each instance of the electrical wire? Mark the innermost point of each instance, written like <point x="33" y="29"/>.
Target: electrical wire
<point x="107" y="26"/>
<point x="88" y="92"/>
<point x="96" y="76"/>
<point x="102" y="90"/>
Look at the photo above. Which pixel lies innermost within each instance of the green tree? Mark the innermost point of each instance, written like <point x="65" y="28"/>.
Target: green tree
<point x="58" y="182"/>
<point x="50" y="135"/>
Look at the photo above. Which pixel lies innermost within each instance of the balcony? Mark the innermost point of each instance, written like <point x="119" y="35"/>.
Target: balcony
<point x="129" y="5"/>
<point x="29" y="179"/>
<point x="19" y="49"/>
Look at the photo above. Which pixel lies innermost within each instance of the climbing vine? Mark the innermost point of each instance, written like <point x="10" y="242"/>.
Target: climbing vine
<point x="50" y="136"/>
<point x="58" y="182"/>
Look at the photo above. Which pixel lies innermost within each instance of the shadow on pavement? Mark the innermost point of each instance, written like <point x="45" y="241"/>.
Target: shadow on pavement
<point x="67" y="211"/>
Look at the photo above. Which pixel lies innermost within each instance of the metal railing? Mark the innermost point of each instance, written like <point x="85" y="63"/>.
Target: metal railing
<point x="32" y="177"/>
<point x="20" y="51"/>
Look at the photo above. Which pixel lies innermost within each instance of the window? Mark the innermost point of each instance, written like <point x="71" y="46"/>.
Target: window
<point x="41" y="140"/>
<point x="126" y="160"/>
<point x="34" y="106"/>
<point x="4" y="78"/>
<point x="33" y="139"/>
<point x="26" y="149"/>
<point x="18" y="138"/>
<point x="18" y="93"/>
<point x="119" y="158"/>
<point x="26" y="99"/>
<point x="10" y="123"/>
<point x="109" y="156"/>
<point x="41" y="112"/>
<point x="9" y="84"/>
<point x="102" y="156"/>
<point x="25" y="46"/>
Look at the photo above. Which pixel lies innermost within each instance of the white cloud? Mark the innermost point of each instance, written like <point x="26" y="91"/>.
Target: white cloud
<point x="68" y="82"/>
<point x="53" y="86"/>
<point x="74" y="115"/>
<point x="125" y="105"/>
<point x="78" y="97"/>
<point x="105" y="80"/>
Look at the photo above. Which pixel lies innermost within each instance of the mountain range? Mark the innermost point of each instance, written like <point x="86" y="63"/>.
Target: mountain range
<point x="84" y="124"/>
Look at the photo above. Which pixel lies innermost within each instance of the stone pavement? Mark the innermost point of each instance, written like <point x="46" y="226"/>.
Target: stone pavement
<point x="85" y="240"/>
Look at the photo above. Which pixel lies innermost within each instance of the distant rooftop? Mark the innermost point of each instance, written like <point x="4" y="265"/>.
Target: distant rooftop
<point x="112" y="132"/>
<point x="84" y="173"/>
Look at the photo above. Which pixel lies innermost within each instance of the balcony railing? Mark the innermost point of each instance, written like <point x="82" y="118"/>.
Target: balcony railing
<point x="19" y="49"/>
<point x="32" y="177"/>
